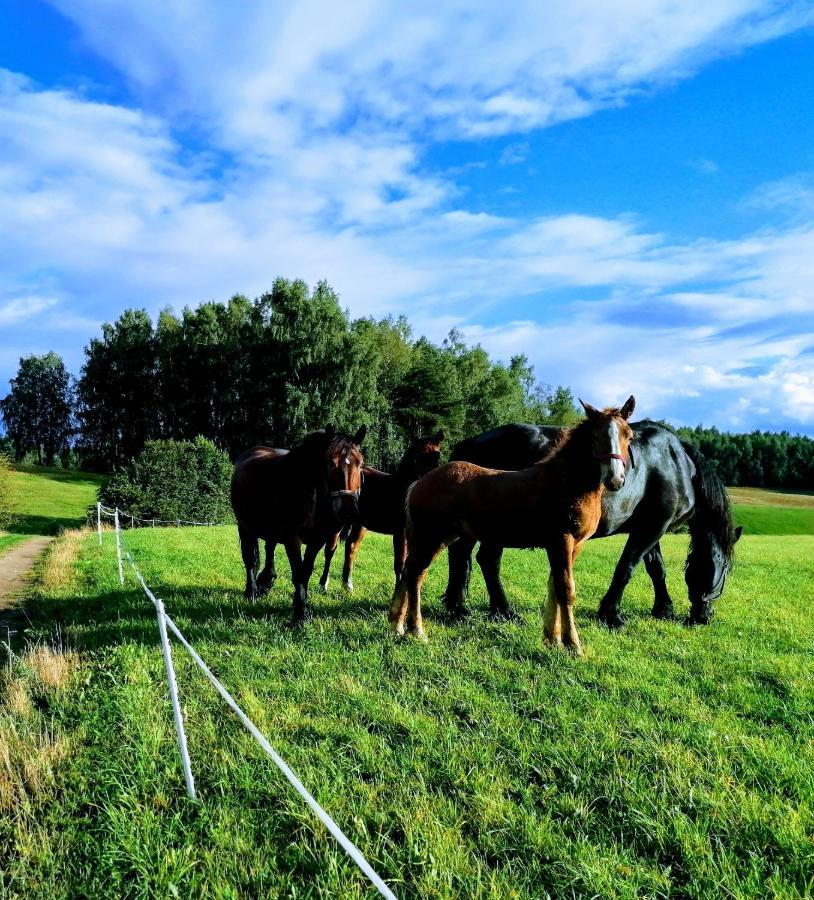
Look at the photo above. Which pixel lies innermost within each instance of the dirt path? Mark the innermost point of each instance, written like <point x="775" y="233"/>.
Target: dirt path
<point x="15" y="565"/>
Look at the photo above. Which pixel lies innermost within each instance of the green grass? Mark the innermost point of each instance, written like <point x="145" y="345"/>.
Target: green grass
<point x="669" y="762"/>
<point x="7" y="541"/>
<point x="46" y="500"/>
<point x="768" y="520"/>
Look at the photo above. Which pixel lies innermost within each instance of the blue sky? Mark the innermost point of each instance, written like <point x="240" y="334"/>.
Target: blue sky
<point x="622" y="191"/>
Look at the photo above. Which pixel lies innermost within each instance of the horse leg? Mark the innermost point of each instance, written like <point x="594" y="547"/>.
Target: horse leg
<point x="460" y="568"/>
<point x="405" y="608"/>
<point x="330" y="549"/>
<point x="266" y="579"/>
<point x="301" y="609"/>
<point x="352" y="542"/>
<point x="663" y="604"/>
<point x="251" y="559"/>
<point x="552" y="621"/>
<point x="399" y="552"/>
<point x="488" y="557"/>
<point x="293" y="548"/>
<point x="610" y="606"/>
<point x="561" y="556"/>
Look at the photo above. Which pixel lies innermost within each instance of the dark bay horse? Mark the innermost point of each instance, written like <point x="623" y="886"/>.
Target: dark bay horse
<point x="381" y="506"/>
<point x="295" y="497"/>
<point x="669" y="483"/>
<point x="555" y="504"/>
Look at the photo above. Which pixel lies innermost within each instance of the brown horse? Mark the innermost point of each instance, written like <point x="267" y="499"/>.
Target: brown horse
<point x="555" y="504"/>
<point x="296" y="497"/>
<point x="381" y="507"/>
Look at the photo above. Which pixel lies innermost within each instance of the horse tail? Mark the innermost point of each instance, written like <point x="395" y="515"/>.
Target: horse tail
<point x="712" y="518"/>
<point x="345" y="531"/>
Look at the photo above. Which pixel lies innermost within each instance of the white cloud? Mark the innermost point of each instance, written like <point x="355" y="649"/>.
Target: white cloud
<point x="21" y="309"/>
<point x="322" y="113"/>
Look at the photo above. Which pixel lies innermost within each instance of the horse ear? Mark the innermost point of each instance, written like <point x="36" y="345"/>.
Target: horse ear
<point x="590" y="411"/>
<point x="738" y="533"/>
<point x="438" y="437"/>
<point x="627" y="410"/>
<point x="360" y="435"/>
<point x="329" y="430"/>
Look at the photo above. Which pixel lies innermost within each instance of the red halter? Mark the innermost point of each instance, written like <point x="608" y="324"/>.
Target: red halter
<point x="605" y="456"/>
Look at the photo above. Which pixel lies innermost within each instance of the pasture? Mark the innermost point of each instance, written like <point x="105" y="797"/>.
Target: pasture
<point x="46" y="500"/>
<point x="667" y="762"/>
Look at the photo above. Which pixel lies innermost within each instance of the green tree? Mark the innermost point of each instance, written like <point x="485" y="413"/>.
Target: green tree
<point x="119" y="407"/>
<point x="38" y="411"/>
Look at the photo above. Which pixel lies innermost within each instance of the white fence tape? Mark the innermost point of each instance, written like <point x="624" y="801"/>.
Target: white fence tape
<point x="164" y="622"/>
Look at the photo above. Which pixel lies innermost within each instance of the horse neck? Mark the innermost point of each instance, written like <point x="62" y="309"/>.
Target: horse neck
<point x="579" y="472"/>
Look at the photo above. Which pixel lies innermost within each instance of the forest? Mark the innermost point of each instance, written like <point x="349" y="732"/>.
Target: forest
<point x="266" y="371"/>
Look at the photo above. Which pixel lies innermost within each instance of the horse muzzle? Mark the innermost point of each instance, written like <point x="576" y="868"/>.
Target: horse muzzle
<point x="345" y="506"/>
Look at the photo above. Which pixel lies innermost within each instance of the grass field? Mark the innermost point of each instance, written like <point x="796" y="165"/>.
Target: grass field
<point x="668" y="762"/>
<point x="49" y="499"/>
<point x="773" y="512"/>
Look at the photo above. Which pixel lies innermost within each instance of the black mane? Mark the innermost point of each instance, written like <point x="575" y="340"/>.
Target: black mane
<point x="713" y="512"/>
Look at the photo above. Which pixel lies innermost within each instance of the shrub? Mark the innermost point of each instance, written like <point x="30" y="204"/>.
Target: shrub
<point x="173" y="480"/>
<point x="5" y="490"/>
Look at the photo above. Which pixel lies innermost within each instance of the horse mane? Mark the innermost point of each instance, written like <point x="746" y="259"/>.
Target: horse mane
<point x="329" y="444"/>
<point x="713" y="509"/>
<point x="574" y="436"/>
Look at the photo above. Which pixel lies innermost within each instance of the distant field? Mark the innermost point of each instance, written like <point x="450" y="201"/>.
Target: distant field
<point x="49" y="499"/>
<point x="770" y="512"/>
<point x="771" y="497"/>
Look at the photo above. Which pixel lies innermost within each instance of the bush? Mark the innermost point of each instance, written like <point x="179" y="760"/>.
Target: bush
<point x="172" y="480"/>
<point x="5" y="491"/>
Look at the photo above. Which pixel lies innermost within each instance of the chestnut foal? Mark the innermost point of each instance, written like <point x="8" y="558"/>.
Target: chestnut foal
<point x="555" y="504"/>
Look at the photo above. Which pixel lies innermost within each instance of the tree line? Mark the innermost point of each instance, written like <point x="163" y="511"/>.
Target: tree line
<point x="758" y="459"/>
<point x="267" y="371"/>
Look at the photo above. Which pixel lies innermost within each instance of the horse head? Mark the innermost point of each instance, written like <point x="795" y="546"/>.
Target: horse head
<point x="343" y="461"/>
<point x="422" y="456"/>
<point x="708" y="564"/>
<point x="610" y="439"/>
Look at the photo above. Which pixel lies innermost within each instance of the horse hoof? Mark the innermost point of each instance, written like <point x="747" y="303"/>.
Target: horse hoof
<point x="348" y="585"/>
<point x="398" y="628"/>
<point x="691" y="621"/>
<point x="419" y="634"/>
<point x="459" y="613"/>
<point x="323" y="588"/>
<point x="506" y="615"/>
<point x="665" y="615"/>
<point x="613" y="621"/>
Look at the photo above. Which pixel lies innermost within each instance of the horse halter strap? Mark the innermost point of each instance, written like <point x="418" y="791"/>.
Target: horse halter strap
<point x="602" y="457"/>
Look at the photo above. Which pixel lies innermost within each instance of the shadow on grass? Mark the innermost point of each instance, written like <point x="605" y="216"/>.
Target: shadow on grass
<point x="33" y="524"/>
<point x="124" y="616"/>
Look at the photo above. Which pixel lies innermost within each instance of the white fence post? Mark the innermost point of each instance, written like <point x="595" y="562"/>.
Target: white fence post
<point x="176" y="706"/>
<point x="99" y="521"/>
<point x="118" y="545"/>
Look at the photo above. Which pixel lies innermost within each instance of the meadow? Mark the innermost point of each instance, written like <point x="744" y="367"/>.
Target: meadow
<point x="669" y="762"/>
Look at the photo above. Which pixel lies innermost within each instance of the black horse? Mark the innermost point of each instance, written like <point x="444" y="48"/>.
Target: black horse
<point x="668" y="484"/>
<point x="295" y="497"/>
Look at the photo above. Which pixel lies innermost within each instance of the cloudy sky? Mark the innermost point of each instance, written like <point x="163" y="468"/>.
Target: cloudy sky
<point x="622" y="190"/>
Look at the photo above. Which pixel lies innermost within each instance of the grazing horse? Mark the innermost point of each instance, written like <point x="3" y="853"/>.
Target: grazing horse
<point x="381" y="507"/>
<point x="669" y="484"/>
<point x="295" y="497"/>
<point x="555" y="504"/>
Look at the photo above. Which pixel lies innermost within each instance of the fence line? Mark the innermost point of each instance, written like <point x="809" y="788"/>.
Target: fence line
<point x="106" y="511"/>
<point x="165" y="622"/>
